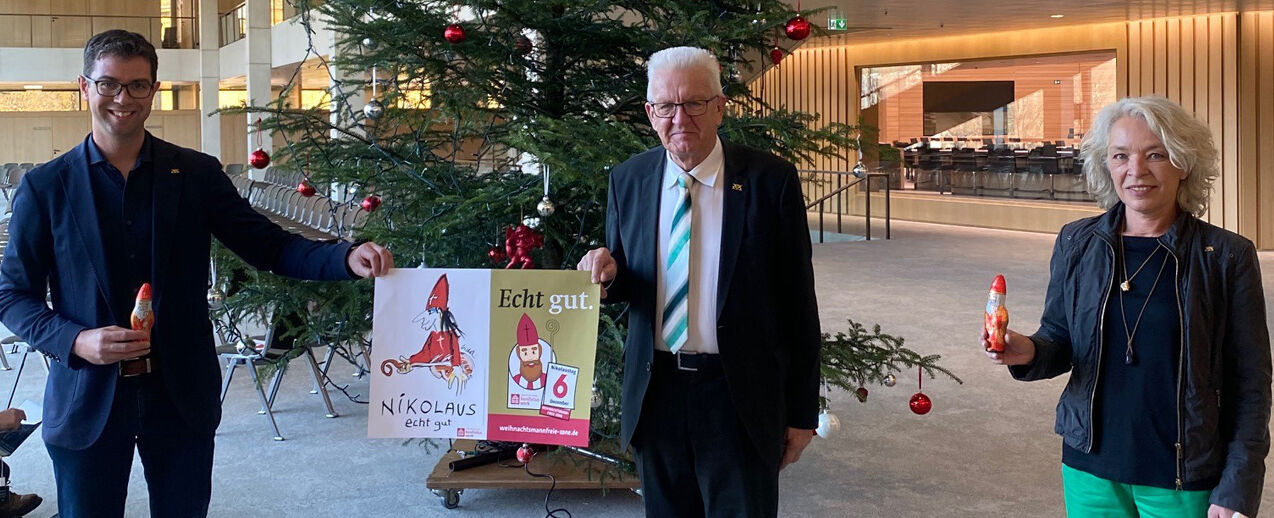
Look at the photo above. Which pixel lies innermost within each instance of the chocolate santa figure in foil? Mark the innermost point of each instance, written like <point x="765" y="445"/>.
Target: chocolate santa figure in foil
<point x="143" y="317"/>
<point x="997" y="316"/>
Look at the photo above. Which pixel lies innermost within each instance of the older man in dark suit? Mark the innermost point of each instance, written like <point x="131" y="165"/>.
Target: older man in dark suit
<point x="90" y="227"/>
<point x="708" y="243"/>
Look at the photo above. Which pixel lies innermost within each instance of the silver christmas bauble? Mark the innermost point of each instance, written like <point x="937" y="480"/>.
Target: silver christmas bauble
<point x="597" y="398"/>
<point x="828" y="424"/>
<point x="215" y="299"/>
<point x="373" y="109"/>
<point x="369" y="42"/>
<point x="890" y="380"/>
<point x="546" y="207"/>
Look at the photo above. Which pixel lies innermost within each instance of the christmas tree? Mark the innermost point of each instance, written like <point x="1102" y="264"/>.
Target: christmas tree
<point x="460" y="120"/>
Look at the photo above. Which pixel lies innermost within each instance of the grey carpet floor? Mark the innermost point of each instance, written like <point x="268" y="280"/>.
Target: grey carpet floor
<point x="986" y="449"/>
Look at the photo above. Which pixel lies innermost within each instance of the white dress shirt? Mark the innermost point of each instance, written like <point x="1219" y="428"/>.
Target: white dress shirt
<point x="706" y="204"/>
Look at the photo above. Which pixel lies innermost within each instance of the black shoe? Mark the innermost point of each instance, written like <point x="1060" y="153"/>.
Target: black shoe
<point x="20" y="505"/>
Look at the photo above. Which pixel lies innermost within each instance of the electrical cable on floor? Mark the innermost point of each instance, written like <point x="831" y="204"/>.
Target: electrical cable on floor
<point x="560" y="512"/>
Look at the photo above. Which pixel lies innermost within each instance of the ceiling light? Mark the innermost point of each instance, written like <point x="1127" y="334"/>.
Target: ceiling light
<point x="33" y="87"/>
<point x="1056" y="15"/>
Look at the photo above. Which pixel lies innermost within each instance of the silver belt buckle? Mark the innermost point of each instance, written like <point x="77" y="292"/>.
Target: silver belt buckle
<point x="681" y="367"/>
<point x="122" y="374"/>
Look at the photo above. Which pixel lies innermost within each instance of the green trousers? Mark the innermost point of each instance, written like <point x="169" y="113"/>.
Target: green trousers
<point x="1089" y="496"/>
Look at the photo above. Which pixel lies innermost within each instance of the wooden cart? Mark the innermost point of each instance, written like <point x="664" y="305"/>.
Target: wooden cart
<point x="572" y="473"/>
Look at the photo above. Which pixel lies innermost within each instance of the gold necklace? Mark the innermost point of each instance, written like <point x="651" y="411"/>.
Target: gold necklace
<point x="1129" y="356"/>
<point x="1127" y="284"/>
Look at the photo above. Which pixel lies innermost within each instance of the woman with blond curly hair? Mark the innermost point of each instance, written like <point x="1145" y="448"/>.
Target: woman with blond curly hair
<point x="1160" y="319"/>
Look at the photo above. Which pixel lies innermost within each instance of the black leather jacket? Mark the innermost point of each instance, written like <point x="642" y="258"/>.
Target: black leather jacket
<point x="1223" y="376"/>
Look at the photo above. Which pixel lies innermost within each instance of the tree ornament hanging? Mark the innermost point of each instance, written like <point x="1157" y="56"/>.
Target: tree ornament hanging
<point x="454" y="33"/>
<point x="596" y="400"/>
<point x="370" y="203"/>
<point x="920" y="403"/>
<point x="776" y="55"/>
<point x="518" y="243"/>
<point x="797" y="28"/>
<point x="306" y="189"/>
<point x="546" y="207"/>
<point x="259" y="158"/>
<point x="890" y="380"/>
<point x="828" y="424"/>
<point x="522" y="45"/>
<point x="216" y="299"/>
<point x="369" y="42"/>
<point x="496" y="255"/>
<point x="861" y="394"/>
<point x="373" y="109"/>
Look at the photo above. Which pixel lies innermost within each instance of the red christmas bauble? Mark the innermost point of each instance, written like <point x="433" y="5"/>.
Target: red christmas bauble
<point x="370" y="203"/>
<point x="861" y="393"/>
<point x="305" y="189"/>
<point x="776" y="55"/>
<point x="454" y="33"/>
<point x="797" y="28"/>
<point x="522" y="45"/>
<point x="525" y="454"/>
<point x="921" y="404"/>
<point x="496" y="255"/>
<point x="259" y="159"/>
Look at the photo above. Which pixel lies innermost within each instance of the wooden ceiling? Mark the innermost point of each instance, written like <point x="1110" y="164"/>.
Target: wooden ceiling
<point x="874" y="21"/>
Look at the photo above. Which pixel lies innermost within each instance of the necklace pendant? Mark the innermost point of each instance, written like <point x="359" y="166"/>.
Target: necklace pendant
<point x="1130" y="358"/>
<point x="1125" y="286"/>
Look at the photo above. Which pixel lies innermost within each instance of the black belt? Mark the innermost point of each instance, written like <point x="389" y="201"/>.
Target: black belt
<point x="688" y="362"/>
<point x="137" y="366"/>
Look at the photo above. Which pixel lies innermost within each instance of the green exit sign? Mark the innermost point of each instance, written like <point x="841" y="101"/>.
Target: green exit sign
<point x="836" y="24"/>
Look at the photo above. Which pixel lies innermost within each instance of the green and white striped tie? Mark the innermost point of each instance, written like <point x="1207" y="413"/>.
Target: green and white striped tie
<point x="676" y="323"/>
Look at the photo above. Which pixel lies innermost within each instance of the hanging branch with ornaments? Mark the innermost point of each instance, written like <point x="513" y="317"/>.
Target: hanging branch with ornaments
<point x="859" y="357"/>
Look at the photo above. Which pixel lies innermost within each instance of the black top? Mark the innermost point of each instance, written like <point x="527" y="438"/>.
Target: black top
<point x="1135" y="408"/>
<point x="124" y="219"/>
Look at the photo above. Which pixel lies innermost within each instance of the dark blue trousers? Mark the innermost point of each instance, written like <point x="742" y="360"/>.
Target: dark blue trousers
<point x="694" y="456"/>
<point x="177" y="460"/>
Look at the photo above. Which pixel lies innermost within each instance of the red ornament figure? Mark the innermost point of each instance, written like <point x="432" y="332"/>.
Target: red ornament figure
<point x="525" y="453"/>
<point x="441" y="352"/>
<point x="306" y="189"/>
<point x="518" y="242"/>
<point x="997" y="316"/>
<point x="370" y="203"/>
<point x="861" y="394"/>
<point x="454" y="33"/>
<point x="920" y="403"/>
<point x="259" y="159"/>
<point x="143" y="317"/>
<point x="797" y="28"/>
<point x="776" y="55"/>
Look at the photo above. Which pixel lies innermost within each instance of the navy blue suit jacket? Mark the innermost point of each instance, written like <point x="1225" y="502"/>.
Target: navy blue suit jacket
<point x="767" y="315"/>
<point x="55" y="242"/>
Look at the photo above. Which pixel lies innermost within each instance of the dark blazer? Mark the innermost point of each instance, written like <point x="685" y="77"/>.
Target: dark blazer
<point x="55" y="242"/>
<point x="767" y="316"/>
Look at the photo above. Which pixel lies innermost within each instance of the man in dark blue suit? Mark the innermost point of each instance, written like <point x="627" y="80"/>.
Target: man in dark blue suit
<point x="89" y="228"/>
<point x="708" y="243"/>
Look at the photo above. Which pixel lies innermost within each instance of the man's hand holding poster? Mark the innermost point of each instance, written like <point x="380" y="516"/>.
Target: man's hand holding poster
<point x="503" y="355"/>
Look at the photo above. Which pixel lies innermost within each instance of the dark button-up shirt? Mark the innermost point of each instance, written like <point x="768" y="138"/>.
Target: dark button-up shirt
<point x="124" y="209"/>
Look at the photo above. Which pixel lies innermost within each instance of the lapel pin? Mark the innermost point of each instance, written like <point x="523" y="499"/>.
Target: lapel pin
<point x="737" y="186"/>
<point x="174" y="171"/>
<point x="1208" y="248"/>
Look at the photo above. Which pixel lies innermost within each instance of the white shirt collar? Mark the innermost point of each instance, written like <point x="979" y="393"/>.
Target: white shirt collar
<point x="705" y="173"/>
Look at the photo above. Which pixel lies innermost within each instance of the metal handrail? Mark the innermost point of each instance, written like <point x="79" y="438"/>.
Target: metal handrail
<point x="840" y="213"/>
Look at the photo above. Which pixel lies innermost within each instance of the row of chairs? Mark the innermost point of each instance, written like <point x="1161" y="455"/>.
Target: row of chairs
<point x="10" y="178"/>
<point x="317" y="213"/>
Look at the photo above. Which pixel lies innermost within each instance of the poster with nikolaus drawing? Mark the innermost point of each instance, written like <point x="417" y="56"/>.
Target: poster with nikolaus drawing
<point x="503" y="355"/>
